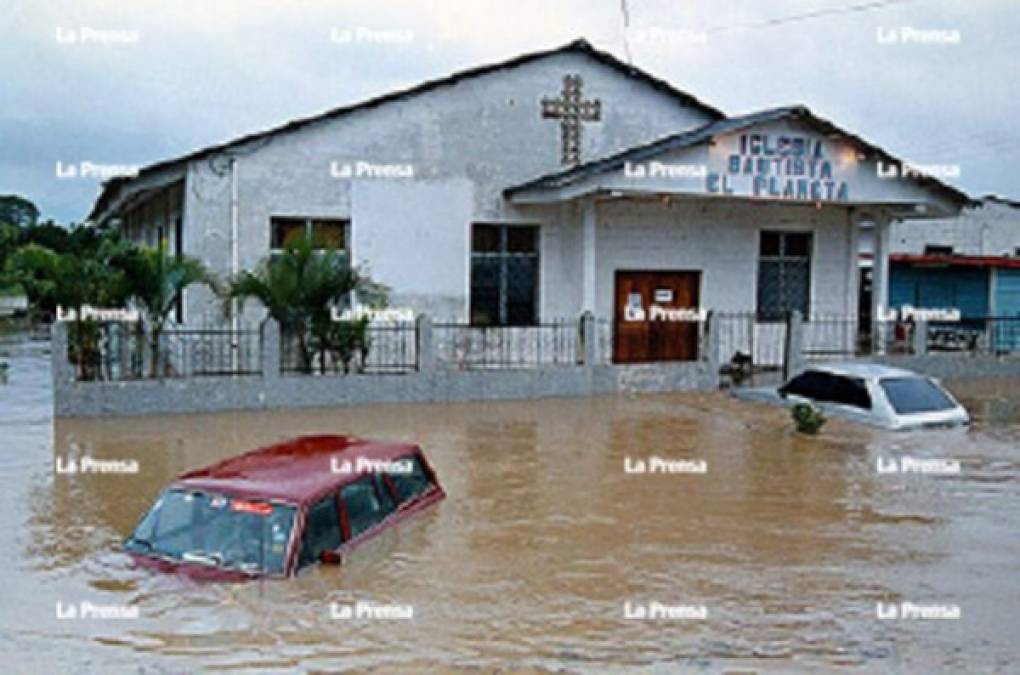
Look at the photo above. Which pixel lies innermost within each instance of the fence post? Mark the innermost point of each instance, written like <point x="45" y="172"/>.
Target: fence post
<point x="426" y="344"/>
<point x="793" y="361"/>
<point x="589" y="340"/>
<point x="146" y="337"/>
<point x="712" y="347"/>
<point x="270" y="355"/>
<point x="63" y="370"/>
<point x="919" y="338"/>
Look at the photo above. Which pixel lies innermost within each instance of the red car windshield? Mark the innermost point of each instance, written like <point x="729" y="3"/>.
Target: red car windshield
<point x="215" y="530"/>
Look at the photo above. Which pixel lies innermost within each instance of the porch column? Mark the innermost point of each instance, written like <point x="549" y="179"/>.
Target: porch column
<point x="853" y="273"/>
<point x="880" y="281"/>
<point x="588" y="255"/>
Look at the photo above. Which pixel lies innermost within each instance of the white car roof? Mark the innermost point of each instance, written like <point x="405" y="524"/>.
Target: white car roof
<point x="875" y="371"/>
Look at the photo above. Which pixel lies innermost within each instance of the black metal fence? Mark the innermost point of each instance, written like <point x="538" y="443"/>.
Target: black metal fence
<point x="985" y="335"/>
<point x="746" y="346"/>
<point x="210" y="352"/>
<point x="117" y="351"/>
<point x="464" y="346"/>
<point x="383" y="348"/>
<point x="839" y="336"/>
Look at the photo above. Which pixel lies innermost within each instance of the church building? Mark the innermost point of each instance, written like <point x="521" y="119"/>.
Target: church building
<point x="536" y="189"/>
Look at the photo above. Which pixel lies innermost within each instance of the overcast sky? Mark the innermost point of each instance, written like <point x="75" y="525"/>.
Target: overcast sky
<point x="190" y="73"/>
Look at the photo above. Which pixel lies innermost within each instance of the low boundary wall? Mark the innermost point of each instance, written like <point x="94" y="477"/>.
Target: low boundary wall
<point x="431" y="383"/>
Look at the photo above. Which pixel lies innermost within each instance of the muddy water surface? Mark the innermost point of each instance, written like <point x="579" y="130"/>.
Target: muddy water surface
<point x="545" y="548"/>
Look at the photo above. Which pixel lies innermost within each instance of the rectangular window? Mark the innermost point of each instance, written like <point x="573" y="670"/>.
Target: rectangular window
<point x="504" y="275"/>
<point x="934" y="249"/>
<point x="322" y="232"/>
<point x="784" y="274"/>
<point x="909" y="395"/>
<point x="366" y="504"/>
<point x="322" y="531"/>
<point x="410" y="485"/>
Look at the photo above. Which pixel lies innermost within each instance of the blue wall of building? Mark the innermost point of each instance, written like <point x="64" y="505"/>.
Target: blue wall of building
<point x="963" y="288"/>
<point x="1007" y="293"/>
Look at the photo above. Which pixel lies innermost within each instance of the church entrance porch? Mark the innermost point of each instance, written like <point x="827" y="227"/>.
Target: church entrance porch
<point x="656" y="316"/>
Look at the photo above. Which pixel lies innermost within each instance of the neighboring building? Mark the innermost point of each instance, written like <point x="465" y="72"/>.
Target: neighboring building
<point x="555" y="183"/>
<point x="970" y="262"/>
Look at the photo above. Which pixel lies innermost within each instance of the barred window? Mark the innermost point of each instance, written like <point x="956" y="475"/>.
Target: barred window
<point x="504" y="275"/>
<point x="784" y="274"/>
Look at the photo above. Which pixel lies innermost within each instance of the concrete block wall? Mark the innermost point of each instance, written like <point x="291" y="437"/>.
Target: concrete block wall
<point x="432" y="382"/>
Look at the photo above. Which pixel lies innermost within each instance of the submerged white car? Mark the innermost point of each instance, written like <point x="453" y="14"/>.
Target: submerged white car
<point x="892" y="398"/>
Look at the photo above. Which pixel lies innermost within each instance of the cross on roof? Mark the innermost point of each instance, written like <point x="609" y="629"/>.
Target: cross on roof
<point x="571" y="109"/>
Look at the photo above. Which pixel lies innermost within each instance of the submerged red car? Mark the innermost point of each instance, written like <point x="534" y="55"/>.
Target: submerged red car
<point x="276" y="510"/>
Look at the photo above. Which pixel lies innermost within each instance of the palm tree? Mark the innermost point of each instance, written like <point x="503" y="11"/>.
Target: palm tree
<point x="156" y="281"/>
<point x="299" y="288"/>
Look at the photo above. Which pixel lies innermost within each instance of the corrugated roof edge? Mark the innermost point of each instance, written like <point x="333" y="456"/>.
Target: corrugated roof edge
<point x="704" y="133"/>
<point x="580" y="46"/>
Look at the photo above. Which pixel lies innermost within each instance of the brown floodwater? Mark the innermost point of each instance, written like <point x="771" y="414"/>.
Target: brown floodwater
<point x="545" y="547"/>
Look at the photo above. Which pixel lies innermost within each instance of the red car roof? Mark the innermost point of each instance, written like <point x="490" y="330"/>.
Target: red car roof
<point x="298" y="470"/>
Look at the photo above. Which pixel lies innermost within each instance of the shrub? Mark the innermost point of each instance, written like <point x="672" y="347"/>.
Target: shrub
<point x="809" y="419"/>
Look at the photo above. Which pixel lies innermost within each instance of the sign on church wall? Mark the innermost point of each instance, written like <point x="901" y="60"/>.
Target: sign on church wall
<point x="797" y="167"/>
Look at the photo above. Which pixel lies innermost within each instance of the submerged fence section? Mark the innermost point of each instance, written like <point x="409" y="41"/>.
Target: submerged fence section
<point x="987" y="335"/>
<point x="120" y="351"/>
<point x="374" y="348"/>
<point x="468" y="347"/>
<point x="733" y="344"/>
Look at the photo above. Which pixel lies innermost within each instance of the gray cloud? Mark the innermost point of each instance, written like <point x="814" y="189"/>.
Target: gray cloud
<point x="202" y="73"/>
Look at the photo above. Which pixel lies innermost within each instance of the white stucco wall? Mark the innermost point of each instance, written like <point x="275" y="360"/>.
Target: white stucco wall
<point x="722" y="242"/>
<point x="408" y="235"/>
<point x="482" y="134"/>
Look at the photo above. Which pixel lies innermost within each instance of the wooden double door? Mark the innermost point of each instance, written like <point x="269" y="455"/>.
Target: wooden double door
<point x="641" y="334"/>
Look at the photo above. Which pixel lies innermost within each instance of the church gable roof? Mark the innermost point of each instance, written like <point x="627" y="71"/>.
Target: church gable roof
<point x="706" y="133"/>
<point x="579" y="46"/>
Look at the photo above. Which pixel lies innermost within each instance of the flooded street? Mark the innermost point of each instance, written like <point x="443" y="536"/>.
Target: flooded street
<point x="546" y="549"/>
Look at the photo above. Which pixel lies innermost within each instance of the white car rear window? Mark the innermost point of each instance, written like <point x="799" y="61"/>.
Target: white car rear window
<point x="915" y="395"/>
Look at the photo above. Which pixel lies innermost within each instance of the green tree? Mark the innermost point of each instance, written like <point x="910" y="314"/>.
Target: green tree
<point x="67" y="281"/>
<point x="299" y="288"/>
<point x="18" y="211"/>
<point x="155" y="281"/>
<point x="10" y="239"/>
